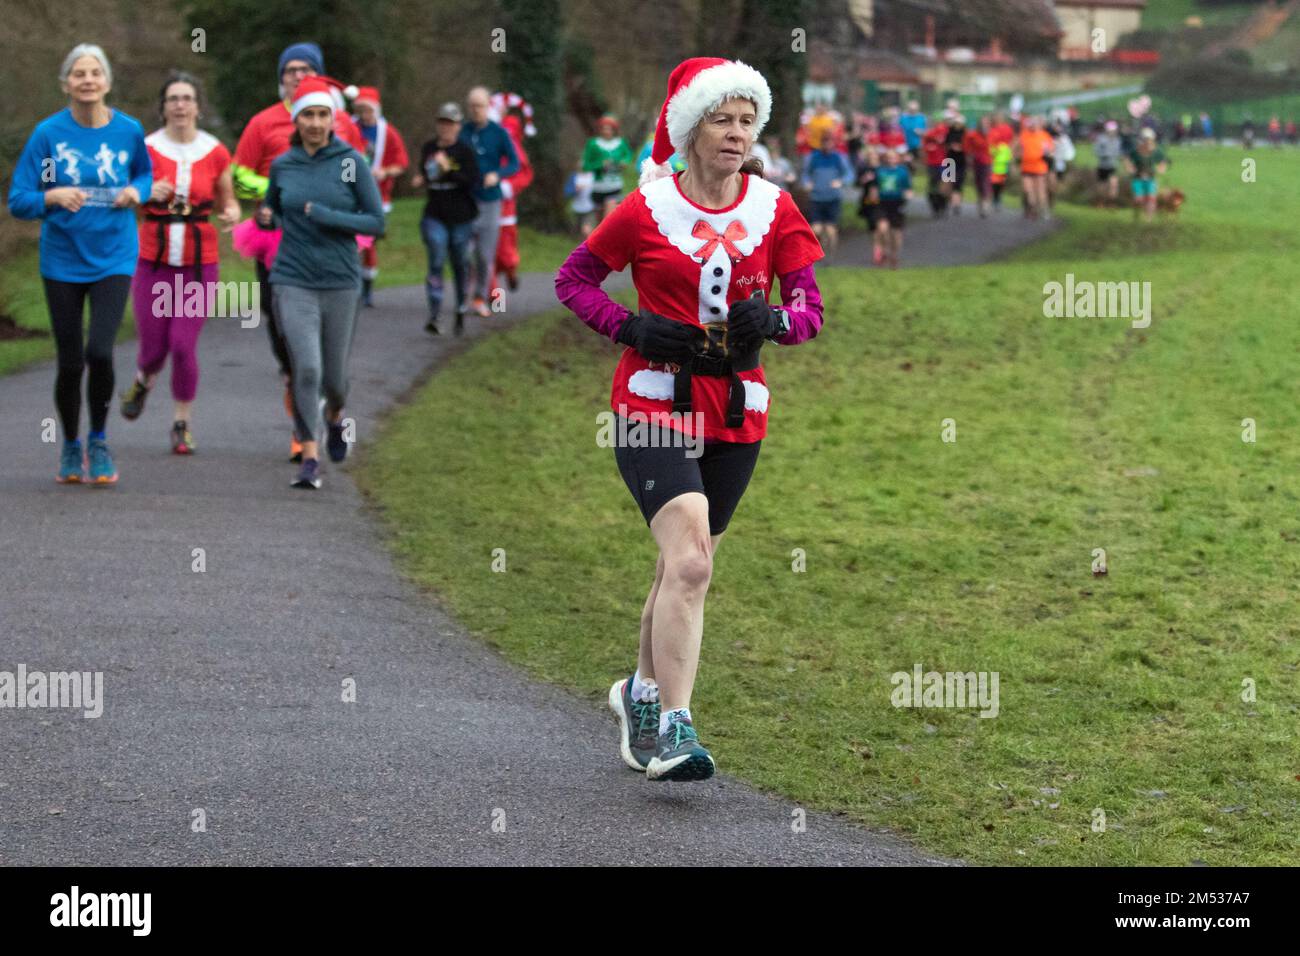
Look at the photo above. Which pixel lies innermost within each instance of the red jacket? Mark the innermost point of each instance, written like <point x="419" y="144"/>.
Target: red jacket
<point x="933" y="145"/>
<point x="976" y="145"/>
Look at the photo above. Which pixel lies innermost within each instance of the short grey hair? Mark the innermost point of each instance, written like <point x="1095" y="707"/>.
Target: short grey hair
<point x="85" y="49"/>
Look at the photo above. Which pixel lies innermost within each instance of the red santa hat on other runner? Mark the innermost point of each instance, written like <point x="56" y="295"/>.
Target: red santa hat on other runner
<point x="696" y="87"/>
<point x="367" y="94"/>
<point x="313" y="91"/>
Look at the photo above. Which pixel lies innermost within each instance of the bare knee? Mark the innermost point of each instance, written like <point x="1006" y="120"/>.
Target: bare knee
<point x="692" y="569"/>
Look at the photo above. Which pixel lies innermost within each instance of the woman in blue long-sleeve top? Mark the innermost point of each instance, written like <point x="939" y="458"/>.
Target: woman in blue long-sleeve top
<point x="82" y="172"/>
<point x="323" y="195"/>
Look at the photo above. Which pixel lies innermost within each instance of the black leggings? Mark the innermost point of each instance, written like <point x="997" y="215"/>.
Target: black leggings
<point x="278" y="346"/>
<point x="658" y="473"/>
<point x="67" y="301"/>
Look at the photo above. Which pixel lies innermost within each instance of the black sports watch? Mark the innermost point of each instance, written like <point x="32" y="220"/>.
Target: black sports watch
<point x="783" y="324"/>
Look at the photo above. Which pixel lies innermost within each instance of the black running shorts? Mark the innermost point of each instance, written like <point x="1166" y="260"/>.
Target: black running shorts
<point x="657" y="473"/>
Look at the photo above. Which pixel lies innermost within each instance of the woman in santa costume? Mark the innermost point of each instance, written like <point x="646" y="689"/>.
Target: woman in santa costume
<point x="178" y="247"/>
<point x="386" y="153"/>
<point x="689" y="392"/>
<point x="507" y="258"/>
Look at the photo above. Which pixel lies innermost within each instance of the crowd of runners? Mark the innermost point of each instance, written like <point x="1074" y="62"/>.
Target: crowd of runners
<point x="716" y="222"/>
<point x="710" y="233"/>
<point x="125" y="213"/>
<point x="882" y="161"/>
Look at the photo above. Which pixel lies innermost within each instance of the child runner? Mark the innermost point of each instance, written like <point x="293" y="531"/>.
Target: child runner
<point x="894" y="182"/>
<point x="1145" y="162"/>
<point x="1107" y="151"/>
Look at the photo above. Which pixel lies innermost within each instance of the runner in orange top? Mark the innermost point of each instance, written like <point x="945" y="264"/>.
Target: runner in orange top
<point x="1033" y="149"/>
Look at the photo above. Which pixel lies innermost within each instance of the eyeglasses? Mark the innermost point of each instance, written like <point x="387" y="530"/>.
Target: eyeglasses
<point x="295" y="70"/>
<point x="180" y="98"/>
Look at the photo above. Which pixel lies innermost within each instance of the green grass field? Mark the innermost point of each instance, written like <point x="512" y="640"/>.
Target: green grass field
<point x="1121" y="693"/>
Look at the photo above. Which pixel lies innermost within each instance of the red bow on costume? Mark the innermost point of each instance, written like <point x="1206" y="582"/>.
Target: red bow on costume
<point x="735" y="231"/>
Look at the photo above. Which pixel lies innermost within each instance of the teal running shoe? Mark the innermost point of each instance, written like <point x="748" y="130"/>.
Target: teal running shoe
<point x="679" y="755"/>
<point x="102" y="469"/>
<point x="72" y="464"/>
<point x="638" y="725"/>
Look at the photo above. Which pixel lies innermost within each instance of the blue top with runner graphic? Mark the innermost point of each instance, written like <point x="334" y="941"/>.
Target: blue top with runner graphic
<point x="97" y="240"/>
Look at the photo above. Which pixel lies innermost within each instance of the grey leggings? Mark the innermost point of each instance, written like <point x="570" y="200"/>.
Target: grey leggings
<point x="317" y="325"/>
<point x="487" y="227"/>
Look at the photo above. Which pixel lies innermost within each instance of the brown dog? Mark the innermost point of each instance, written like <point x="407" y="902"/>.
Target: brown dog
<point x="1169" y="200"/>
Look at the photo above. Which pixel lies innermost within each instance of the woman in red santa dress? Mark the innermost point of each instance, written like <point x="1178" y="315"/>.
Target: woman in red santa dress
<point x="689" y="396"/>
<point x="507" y="258"/>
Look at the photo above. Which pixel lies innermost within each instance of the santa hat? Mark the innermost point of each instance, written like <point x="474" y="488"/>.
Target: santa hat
<point x="313" y="91"/>
<point x="366" y="94"/>
<point x="695" y="87"/>
<point x="500" y="105"/>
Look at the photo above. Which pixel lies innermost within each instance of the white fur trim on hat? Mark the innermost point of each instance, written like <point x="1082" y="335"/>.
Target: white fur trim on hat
<point x="319" y="98"/>
<point x="650" y="171"/>
<point x="712" y="87"/>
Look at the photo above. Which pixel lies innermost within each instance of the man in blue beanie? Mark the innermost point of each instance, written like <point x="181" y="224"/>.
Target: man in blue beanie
<point x="265" y="138"/>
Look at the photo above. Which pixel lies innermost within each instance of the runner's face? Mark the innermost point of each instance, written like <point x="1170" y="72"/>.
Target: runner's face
<point x="448" y="131"/>
<point x="478" y="108"/>
<point x="724" y="136"/>
<point x="293" y="73"/>
<point x="86" y="83"/>
<point x="180" y="104"/>
<point x="366" y="113"/>
<point x="314" y="125"/>
<point x="607" y="130"/>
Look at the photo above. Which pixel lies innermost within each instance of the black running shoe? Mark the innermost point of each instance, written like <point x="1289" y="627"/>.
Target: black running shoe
<point x="336" y="444"/>
<point x="133" y="399"/>
<point x="308" y="474"/>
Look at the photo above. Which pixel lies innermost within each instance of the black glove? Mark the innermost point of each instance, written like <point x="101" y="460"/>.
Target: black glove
<point x="657" y="338"/>
<point x="749" y="322"/>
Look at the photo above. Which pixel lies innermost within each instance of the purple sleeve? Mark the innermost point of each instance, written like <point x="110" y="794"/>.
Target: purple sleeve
<point x="577" y="285"/>
<point x="800" y="287"/>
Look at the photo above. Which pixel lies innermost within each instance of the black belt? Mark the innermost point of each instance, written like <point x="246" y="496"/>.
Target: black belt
<point x="720" y="361"/>
<point x="183" y="213"/>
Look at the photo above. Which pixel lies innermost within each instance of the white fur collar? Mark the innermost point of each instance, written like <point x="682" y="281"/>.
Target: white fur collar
<point x="676" y="217"/>
<point x="202" y="144"/>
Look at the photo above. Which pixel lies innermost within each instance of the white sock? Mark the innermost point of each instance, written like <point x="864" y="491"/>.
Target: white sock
<point x="665" y="718"/>
<point x="643" y="692"/>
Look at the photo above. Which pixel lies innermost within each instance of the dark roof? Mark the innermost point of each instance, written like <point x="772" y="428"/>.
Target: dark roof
<point x="1019" y="24"/>
<point x="1127" y="4"/>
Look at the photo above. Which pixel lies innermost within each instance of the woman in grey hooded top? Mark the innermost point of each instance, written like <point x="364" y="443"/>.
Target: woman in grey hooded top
<point x="323" y="195"/>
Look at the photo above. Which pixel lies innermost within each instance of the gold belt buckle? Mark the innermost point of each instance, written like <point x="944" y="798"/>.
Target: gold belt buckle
<point x="183" y="209"/>
<point x="717" y="344"/>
